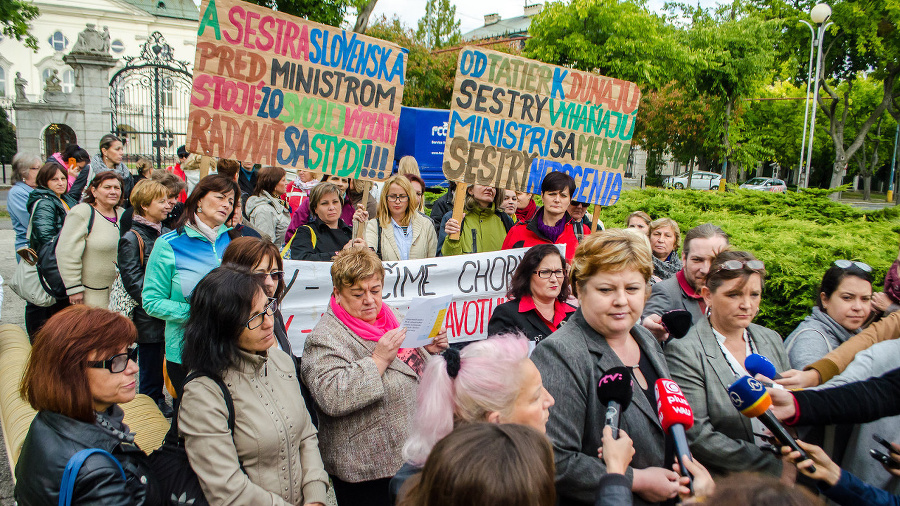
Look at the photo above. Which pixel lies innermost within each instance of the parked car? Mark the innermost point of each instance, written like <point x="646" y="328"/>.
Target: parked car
<point x="699" y="181"/>
<point x="766" y="184"/>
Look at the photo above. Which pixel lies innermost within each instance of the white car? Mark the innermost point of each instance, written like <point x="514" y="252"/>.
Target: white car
<point x="699" y="181"/>
<point x="766" y="184"/>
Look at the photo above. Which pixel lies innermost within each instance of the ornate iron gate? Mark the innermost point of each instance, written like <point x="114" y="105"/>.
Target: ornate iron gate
<point x="150" y="98"/>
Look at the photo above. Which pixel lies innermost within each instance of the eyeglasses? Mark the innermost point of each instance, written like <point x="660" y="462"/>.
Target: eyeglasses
<point x="256" y="320"/>
<point x="547" y="273"/>
<point x="275" y="275"/>
<point x="736" y="265"/>
<point x="398" y="198"/>
<point x="846" y="264"/>
<point x="579" y="204"/>
<point x="118" y="362"/>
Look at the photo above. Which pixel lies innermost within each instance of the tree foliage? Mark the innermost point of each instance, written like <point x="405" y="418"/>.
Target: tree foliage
<point x="15" y="18"/>
<point x="7" y="138"/>
<point x="329" y="12"/>
<point x="439" y="27"/>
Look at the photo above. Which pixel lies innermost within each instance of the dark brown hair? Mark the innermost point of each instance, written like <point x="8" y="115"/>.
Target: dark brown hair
<point x="47" y="171"/>
<point x="249" y="251"/>
<point x="267" y="179"/>
<point x="55" y="377"/>
<point x="754" y="489"/>
<point x="173" y="183"/>
<point x="98" y="180"/>
<point x="228" y="168"/>
<point x="718" y="275"/>
<point x="486" y="463"/>
<point x="704" y="231"/>
<point x="520" y="284"/>
<point x="211" y="183"/>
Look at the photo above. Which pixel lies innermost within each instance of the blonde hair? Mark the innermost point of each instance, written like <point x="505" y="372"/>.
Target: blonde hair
<point x="145" y="192"/>
<point x="384" y="211"/>
<point x="408" y="165"/>
<point x="613" y="250"/>
<point x="353" y="265"/>
<point x="667" y="222"/>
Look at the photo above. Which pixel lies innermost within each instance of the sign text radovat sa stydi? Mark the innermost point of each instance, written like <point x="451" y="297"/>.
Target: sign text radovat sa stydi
<point x="513" y="120"/>
<point x="276" y="89"/>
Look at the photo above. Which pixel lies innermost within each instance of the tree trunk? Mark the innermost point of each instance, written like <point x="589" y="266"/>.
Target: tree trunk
<point x="690" y="173"/>
<point x="837" y="174"/>
<point x="362" y="19"/>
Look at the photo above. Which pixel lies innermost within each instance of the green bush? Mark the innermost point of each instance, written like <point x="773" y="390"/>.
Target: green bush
<point x="797" y="235"/>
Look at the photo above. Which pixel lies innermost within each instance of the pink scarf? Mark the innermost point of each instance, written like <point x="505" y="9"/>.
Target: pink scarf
<point x="384" y="322"/>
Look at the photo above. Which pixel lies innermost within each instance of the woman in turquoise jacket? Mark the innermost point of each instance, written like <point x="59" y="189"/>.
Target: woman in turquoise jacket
<point x="182" y="257"/>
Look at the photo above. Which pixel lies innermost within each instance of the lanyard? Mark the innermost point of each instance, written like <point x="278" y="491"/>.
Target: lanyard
<point x="725" y="355"/>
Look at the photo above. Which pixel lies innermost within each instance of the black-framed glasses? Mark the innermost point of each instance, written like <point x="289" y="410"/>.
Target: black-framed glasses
<point x="579" y="204"/>
<point x="736" y="265"/>
<point x="256" y="320"/>
<point x="118" y="362"/>
<point x="846" y="264"/>
<point x="398" y="198"/>
<point x="547" y="273"/>
<point x="275" y="275"/>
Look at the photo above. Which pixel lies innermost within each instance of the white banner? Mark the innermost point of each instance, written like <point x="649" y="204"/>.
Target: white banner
<point x="478" y="283"/>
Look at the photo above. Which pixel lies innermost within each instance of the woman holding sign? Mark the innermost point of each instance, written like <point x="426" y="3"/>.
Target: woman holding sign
<point x="363" y="382"/>
<point x="399" y="232"/>
<point x="551" y="223"/>
<point x="609" y="276"/>
<point x="483" y="228"/>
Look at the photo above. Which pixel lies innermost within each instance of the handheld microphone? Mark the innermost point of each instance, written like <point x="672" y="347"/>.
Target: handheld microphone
<point x="758" y="364"/>
<point x="677" y="322"/>
<point x="614" y="390"/>
<point x="750" y="397"/>
<point x="675" y="416"/>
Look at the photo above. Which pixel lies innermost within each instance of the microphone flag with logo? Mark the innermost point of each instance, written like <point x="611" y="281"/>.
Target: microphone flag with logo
<point x="614" y="390"/>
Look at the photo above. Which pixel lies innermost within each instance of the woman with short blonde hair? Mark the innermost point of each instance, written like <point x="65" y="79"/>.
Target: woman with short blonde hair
<point x="665" y="237"/>
<point x="399" y="232"/>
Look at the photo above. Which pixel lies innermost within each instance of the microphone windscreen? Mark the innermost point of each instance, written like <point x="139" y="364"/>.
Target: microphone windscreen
<point x="758" y="364"/>
<point x="677" y="322"/>
<point x="615" y="385"/>
<point x="749" y="396"/>
<point x="671" y="405"/>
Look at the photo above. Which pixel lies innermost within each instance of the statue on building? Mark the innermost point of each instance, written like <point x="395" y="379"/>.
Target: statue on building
<point x="91" y="41"/>
<point x="20" y="88"/>
<point x="53" y="92"/>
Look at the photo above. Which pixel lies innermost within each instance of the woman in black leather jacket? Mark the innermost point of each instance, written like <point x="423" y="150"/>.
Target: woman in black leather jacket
<point x="151" y="205"/>
<point x="76" y="378"/>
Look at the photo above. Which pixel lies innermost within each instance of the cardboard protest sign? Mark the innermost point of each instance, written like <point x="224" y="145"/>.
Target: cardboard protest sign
<point x="276" y="89"/>
<point x="477" y="282"/>
<point x="513" y="120"/>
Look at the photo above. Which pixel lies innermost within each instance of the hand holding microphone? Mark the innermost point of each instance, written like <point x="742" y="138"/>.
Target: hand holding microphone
<point x="614" y="390"/>
<point x="675" y="416"/>
<point x="752" y="399"/>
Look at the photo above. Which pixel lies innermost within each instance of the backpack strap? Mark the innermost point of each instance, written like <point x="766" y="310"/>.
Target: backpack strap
<point x="91" y="220"/>
<point x="140" y="247"/>
<point x="67" y="486"/>
<point x="312" y="235"/>
<point x="378" y="251"/>
<point x="229" y="401"/>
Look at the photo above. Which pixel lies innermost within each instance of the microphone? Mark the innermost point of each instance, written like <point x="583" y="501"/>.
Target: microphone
<point x="677" y="322"/>
<point x="614" y="390"/>
<point x="758" y="364"/>
<point x="675" y="416"/>
<point x="750" y="397"/>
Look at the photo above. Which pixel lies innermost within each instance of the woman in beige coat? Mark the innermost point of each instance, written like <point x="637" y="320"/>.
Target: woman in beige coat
<point x="363" y="382"/>
<point x="86" y="252"/>
<point x="272" y="455"/>
<point x="399" y="231"/>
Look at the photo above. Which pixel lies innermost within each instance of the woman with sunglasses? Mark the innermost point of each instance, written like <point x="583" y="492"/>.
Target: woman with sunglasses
<point x="711" y="357"/>
<point x="272" y="454"/>
<point x="76" y="378"/>
<point x="399" y="231"/>
<point x="843" y="305"/>
<point x="536" y="305"/>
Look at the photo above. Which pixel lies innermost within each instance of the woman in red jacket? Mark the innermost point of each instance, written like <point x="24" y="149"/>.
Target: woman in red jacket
<point x="551" y="223"/>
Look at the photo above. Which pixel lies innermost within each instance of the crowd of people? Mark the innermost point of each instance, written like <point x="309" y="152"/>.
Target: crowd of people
<point x="513" y="419"/>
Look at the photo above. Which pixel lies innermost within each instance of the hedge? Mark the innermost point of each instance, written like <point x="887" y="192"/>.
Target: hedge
<point x="797" y="235"/>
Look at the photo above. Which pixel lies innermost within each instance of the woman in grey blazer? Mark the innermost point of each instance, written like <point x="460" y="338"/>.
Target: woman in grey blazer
<point x="711" y="357"/>
<point x="609" y="275"/>
<point x="363" y="383"/>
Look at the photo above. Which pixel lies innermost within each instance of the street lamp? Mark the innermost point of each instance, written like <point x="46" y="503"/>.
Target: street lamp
<point x="819" y="15"/>
<point x="812" y="45"/>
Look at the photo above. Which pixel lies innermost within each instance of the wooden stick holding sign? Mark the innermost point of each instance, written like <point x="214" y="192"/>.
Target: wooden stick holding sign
<point x="359" y="229"/>
<point x="459" y="205"/>
<point x="595" y="217"/>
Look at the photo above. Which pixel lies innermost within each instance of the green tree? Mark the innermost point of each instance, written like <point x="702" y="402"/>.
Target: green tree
<point x="15" y="19"/>
<point x="439" y="27"/>
<point x="329" y="12"/>
<point x="7" y="138"/>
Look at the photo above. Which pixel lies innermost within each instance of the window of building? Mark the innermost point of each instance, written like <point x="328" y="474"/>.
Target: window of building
<point x="117" y="46"/>
<point x="2" y="82"/>
<point x="58" y="41"/>
<point x="68" y="81"/>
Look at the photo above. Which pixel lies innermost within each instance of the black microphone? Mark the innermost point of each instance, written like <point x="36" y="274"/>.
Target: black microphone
<point x="614" y="390"/>
<point x="677" y="322"/>
<point x="750" y="397"/>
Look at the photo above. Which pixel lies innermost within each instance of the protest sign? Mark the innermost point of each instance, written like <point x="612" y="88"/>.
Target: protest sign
<point x="276" y="89"/>
<point x="477" y="282"/>
<point x="513" y="120"/>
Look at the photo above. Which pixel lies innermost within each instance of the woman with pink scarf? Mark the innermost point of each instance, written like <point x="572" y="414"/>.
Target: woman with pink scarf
<point x="363" y="382"/>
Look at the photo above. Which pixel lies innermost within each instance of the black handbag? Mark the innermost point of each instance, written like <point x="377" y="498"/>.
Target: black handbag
<point x="48" y="268"/>
<point x="177" y="480"/>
